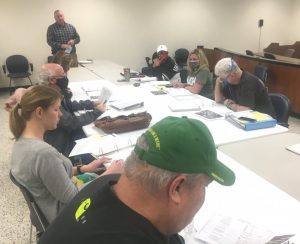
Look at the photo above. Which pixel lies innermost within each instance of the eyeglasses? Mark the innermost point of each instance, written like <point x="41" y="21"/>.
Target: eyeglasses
<point x="58" y="76"/>
<point x="232" y="68"/>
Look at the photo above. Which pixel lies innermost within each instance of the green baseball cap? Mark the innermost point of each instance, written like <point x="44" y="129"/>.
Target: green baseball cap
<point x="184" y="145"/>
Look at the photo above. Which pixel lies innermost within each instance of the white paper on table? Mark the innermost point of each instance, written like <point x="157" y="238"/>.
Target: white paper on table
<point x="227" y="230"/>
<point x="294" y="148"/>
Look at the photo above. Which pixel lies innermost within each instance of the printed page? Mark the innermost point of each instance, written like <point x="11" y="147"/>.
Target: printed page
<point x="227" y="230"/>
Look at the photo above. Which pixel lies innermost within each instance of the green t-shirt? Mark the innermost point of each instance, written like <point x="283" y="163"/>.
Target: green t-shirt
<point x="205" y="78"/>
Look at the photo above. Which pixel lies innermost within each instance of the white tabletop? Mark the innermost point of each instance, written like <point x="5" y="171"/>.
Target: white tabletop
<point x="252" y="199"/>
<point x="222" y="131"/>
<point x="268" y="158"/>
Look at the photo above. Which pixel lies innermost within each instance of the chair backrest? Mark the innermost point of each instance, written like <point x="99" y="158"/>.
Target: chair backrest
<point x="38" y="219"/>
<point x="261" y="72"/>
<point x="181" y="56"/>
<point x="289" y="52"/>
<point x="17" y="64"/>
<point x="249" y="52"/>
<point x="269" y="55"/>
<point x="282" y="106"/>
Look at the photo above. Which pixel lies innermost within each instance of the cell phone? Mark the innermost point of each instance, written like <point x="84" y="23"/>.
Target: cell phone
<point x="247" y="119"/>
<point x="160" y="92"/>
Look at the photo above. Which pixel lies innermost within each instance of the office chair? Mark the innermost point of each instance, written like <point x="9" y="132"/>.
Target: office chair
<point x="181" y="56"/>
<point x="289" y="52"/>
<point x="261" y="72"/>
<point x="37" y="218"/>
<point x="269" y="55"/>
<point x="17" y="67"/>
<point x="282" y="106"/>
<point x="249" y="52"/>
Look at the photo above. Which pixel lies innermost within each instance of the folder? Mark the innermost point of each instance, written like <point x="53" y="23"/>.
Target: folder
<point x="126" y="104"/>
<point x="251" y="120"/>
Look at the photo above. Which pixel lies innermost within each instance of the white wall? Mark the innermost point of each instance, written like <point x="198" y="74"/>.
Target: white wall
<point x="127" y="31"/>
<point x="294" y="34"/>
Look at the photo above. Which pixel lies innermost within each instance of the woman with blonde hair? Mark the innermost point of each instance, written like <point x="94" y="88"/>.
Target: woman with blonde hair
<point x="200" y="79"/>
<point x="44" y="171"/>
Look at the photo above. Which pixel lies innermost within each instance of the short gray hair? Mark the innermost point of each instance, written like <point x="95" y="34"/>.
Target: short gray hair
<point x="153" y="179"/>
<point x="225" y="66"/>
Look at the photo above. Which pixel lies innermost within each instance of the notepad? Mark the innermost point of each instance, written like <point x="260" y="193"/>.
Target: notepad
<point x="182" y="106"/>
<point x="253" y="120"/>
<point x="294" y="148"/>
<point x="126" y="104"/>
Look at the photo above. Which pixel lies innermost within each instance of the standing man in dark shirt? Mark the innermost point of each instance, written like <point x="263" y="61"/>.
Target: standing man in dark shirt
<point x="239" y="90"/>
<point x="62" y="38"/>
<point x="164" y="67"/>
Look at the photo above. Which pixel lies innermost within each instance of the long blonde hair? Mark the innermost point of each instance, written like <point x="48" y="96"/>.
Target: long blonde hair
<point x="34" y="97"/>
<point x="202" y="58"/>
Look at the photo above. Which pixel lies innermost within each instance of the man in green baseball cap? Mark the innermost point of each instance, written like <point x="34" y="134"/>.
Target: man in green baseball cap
<point x="162" y="188"/>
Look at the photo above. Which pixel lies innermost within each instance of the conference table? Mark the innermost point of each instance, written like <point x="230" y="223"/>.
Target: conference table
<point x="269" y="158"/>
<point x="257" y="202"/>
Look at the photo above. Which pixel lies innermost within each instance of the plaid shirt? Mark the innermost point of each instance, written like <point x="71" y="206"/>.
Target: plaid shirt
<point x="58" y="35"/>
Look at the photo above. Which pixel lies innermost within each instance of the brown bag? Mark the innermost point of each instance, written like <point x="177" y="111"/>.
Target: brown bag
<point x="124" y="123"/>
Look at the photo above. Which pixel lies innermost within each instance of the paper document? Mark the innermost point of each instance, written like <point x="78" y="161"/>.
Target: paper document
<point x="144" y="79"/>
<point x="294" y="148"/>
<point x="126" y="104"/>
<point x="100" y="145"/>
<point x="184" y="106"/>
<point x="179" y="92"/>
<point x="227" y="230"/>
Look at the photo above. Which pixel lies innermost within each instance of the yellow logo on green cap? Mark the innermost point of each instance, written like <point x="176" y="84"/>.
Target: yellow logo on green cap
<point x="155" y="137"/>
<point x="217" y="177"/>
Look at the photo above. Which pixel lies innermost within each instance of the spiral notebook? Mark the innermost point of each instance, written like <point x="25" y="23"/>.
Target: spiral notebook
<point x="101" y="145"/>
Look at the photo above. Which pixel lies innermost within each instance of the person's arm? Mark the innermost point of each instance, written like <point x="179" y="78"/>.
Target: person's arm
<point x="70" y="122"/>
<point x="75" y="38"/>
<point x="53" y="174"/>
<point x="196" y="88"/>
<point x="234" y="106"/>
<point x="219" y="98"/>
<point x="51" y="39"/>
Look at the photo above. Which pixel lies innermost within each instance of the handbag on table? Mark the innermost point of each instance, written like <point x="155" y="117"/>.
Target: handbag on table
<point x="124" y="123"/>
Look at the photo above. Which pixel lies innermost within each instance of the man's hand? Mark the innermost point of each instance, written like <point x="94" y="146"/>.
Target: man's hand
<point x="101" y="107"/>
<point x="71" y="42"/>
<point x="65" y="46"/>
<point x="156" y="62"/>
<point x="95" y="165"/>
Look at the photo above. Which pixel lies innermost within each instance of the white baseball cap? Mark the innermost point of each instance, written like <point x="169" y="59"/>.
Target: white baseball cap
<point x="162" y="48"/>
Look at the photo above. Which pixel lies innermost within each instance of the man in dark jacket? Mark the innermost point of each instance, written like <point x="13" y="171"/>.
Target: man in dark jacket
<point x="70" y="125"/>
<point x="164" y="67"/>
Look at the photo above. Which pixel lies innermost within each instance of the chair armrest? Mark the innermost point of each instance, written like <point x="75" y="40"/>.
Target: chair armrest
<point x="4" y="69"/>
<point x="31" y="67"/>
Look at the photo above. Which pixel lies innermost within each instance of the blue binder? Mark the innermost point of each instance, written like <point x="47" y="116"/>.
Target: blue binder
<point x="252" y="121"/>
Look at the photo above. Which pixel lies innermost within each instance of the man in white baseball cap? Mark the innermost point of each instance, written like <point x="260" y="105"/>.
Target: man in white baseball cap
<point x="164" y="67"/>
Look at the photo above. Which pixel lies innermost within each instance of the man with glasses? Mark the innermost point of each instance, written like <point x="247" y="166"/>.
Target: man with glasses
<point x="239" y="90"/>
<point x="70" y="125"/>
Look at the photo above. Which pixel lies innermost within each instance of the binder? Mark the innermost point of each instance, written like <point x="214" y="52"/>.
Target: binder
<point x="102" y="145"/>
<point x="251" y="120"/>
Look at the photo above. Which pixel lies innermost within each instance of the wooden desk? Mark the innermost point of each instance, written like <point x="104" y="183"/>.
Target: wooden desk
<point x="282" y="58"/>
<point x="268" y="158"/>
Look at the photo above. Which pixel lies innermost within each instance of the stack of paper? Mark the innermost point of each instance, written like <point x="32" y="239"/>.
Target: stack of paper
<point x="294" y="148"/>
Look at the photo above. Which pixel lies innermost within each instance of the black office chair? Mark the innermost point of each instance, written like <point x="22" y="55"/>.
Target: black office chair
<point x="249" y="52"/>
<point x="181" y="56"/>
<point x="261" y="72"/>
<point x="37" y="218"/>
<point x="269" y="55"/>
<point x="282" y="106"/>
<point x="17" y="67"/>
<point x="289" y="52"/>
